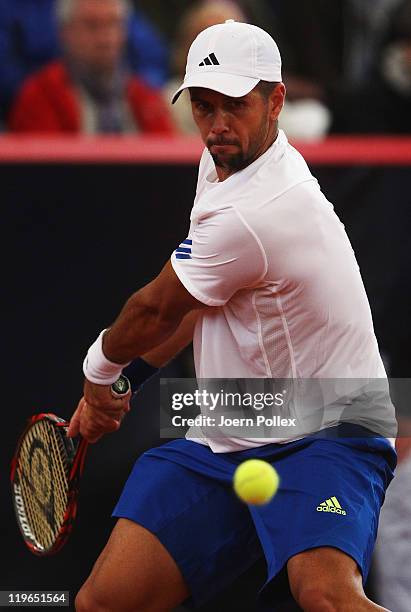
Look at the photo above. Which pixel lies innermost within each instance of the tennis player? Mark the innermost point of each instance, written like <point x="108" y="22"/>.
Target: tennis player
<point x="268" y="281"/>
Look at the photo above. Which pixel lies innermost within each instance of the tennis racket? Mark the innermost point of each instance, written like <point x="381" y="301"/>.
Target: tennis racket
<point x="45" y="477"/>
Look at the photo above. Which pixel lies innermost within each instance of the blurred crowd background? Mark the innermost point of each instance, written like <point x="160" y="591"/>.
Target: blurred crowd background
<point x="110" y="67"/>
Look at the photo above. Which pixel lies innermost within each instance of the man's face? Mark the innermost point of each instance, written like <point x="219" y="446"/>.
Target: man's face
<point x="235" y="130"/>
<point x="95" y="33"/>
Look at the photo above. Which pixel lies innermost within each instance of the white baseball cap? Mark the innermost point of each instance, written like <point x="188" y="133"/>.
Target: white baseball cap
<point x="231" y="58"/>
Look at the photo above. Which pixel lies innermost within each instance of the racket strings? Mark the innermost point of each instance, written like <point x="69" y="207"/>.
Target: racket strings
<point x="29" y="485"/>
<point x="43" y="469"/>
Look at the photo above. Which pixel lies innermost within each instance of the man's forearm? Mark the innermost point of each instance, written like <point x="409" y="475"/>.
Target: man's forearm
<point x="139" y="328"/>
<point x="162" y="354"/>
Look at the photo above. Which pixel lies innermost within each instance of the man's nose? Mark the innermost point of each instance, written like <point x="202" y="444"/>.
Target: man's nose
<point x="220" y="122"/>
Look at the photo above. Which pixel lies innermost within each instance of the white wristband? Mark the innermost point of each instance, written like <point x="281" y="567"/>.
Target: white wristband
<point x="97" y="368"/>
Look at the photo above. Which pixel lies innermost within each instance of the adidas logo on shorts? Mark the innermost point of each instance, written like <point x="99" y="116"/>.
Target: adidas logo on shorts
<point x="331" y="505"/>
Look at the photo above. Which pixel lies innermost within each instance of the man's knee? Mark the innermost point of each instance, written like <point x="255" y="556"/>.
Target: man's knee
<point x="91" y="599"/>
<point x="316" y="599"/>
<point x="325" y="580"/>
<point x="134" y="573"/>
<point x="86" y="602"/>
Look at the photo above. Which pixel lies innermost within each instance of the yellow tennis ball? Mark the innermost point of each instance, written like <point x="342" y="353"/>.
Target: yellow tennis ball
<point x="256" y="481"/>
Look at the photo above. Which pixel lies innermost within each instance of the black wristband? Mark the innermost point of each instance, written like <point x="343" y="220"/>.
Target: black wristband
<point x="138" y="372"/>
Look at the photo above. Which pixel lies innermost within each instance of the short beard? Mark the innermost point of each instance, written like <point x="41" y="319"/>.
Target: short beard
<point x="235" y="163"/>
<point x="241" y="160"/>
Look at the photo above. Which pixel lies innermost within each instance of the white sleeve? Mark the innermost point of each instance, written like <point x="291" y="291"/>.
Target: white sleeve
<point x="221" y="255"/>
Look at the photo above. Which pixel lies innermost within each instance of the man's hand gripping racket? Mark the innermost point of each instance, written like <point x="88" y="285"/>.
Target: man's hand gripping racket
<point x="100" y="410"/>
<point x="47" y="466"/>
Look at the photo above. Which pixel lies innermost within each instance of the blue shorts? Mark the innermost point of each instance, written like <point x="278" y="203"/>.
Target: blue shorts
<point x="332" y="486"/>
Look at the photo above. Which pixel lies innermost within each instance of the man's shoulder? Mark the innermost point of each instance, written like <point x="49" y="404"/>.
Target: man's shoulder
<point x="286" y="174"/>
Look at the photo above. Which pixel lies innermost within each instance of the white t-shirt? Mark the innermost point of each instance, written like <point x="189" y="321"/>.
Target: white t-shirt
<point x="266" y="250"/>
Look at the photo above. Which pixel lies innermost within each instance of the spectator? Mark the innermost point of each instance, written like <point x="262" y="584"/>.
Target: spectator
<point x="194" y="20"/>
<point x="382" y="104"/>
<point x="90" y="90"/>
<point x="29" y="40"/>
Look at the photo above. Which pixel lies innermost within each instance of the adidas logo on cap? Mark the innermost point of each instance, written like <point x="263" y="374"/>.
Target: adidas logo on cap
<point x="210" y="60"/>
<point x="331" y="505"/>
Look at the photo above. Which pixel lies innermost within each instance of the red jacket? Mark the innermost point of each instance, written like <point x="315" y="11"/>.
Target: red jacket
<point x="47" y="102"/>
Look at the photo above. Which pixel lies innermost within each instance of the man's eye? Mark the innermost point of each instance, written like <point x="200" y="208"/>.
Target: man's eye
<point x="237" y="104"/>
<point x="201" y="107"/>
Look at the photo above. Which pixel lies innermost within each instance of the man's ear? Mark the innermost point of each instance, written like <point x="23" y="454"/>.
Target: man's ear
<point x="276" y="100"/>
